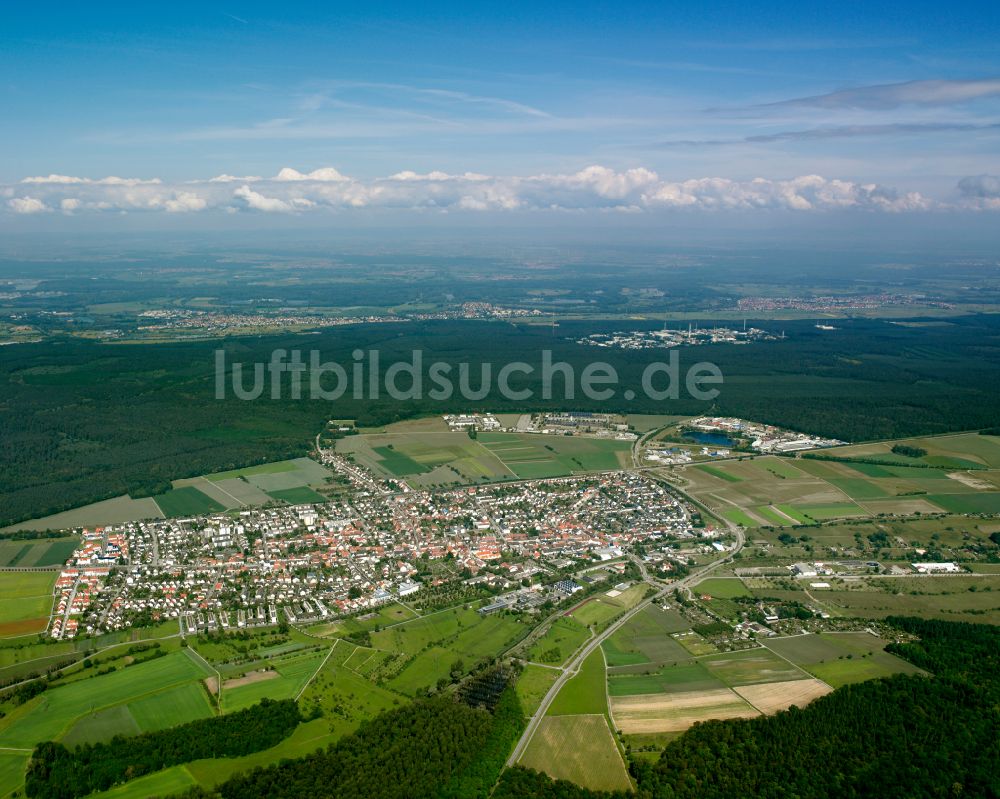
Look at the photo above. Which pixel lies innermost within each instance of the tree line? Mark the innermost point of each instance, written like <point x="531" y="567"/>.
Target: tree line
<point x="56" y="772"/>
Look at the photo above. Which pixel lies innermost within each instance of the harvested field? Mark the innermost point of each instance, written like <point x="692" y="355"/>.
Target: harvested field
<point x="677" y="711"/>
<point x="249" y="679"/>
<point x="775" y="696"/>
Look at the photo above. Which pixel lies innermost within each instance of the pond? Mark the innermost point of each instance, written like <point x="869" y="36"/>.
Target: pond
<point x="709" y="439"/>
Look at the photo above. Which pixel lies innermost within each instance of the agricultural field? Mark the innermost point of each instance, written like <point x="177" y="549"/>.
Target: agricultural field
<point x="584" y="692"/>
<point x="579" y="748"/>
<point x="646" y="638"/>
<point x="37" y="554"/>
<point x="957" y="451"/>
<point x="427" y="459"/>
<point x="25" y="601"/>
<point x="841" y="658"/>
<point x="109" y="511"/>
<point x="212" y="493"/>
<point x="532" y="456"/>
<point x="768" y="491"/>
<point x="54" y="712"/>
<point x="675" y="712"/>
<point x="12" y="768"/>
<point x="187" y="501"/>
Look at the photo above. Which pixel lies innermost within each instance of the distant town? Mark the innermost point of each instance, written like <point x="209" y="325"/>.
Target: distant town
<point x="669" y="337"/>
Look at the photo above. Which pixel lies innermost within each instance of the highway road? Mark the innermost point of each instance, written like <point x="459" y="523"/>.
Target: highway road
<point x="573" y="667"/>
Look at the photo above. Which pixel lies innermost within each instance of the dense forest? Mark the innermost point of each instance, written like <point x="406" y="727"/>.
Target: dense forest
<point x="435" y="747"/>
<point x="56" y="772"/>
<point x="82" y="421"/>
<point x="904" y="736"/>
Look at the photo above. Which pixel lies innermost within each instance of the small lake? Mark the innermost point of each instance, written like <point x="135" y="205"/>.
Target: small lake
<point x="709" y="439"/>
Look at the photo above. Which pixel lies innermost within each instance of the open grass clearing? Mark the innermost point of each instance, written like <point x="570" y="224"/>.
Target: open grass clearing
<point x="532" y="685"/>
<point x="563" y="637"/>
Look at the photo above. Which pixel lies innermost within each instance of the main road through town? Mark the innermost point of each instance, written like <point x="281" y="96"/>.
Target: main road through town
<point x="573" y="667"/>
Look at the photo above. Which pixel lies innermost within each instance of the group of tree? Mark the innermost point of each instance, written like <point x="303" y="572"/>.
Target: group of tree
<point x="436" y="747"/>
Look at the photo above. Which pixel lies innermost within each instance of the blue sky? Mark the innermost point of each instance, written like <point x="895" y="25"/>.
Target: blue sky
<point x="632" y="107"/>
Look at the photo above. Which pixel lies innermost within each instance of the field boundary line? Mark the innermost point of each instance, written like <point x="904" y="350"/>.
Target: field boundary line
<point x="319" y="669"/>
<point x="218" y="676"/>
<point x="796" y="665"/>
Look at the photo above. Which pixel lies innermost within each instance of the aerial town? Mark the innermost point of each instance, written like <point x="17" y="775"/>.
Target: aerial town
<point x="383" y="543"/>
<point x="669" y="337"/>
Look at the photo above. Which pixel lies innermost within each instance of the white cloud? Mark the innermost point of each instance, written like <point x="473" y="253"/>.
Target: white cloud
<point x="594" y="188"/>
<point x="27" y="205"/>
<point x="894" y="95"/>
<point x="111" y="180"/>
<point x="325" y="175"/>
<point x="224" y="178"/>
<point x="259" y="202"/>
<point x="184" y="201"/>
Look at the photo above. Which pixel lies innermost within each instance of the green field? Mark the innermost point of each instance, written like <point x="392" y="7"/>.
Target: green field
<point x="532" y="455"/>
<point x="399" y="463"/>
<point x="52" y="713"/>
<point x="722" y="474"/>
<point x="600" y="609"/>
<point x="303" y="495"/>
<point x="35" y="554"/>
<point x="676" y="677"/>
<point x="841" y="658"/>
<point x="187" y="501"/>
<point x="168" y="709"/>
<point x="646" y="639"/>
<point x="25" y="601"/>
<point x="431" y="458"/>
<point x="584" y="692"/>
<point x="102" y="726"/>
<point x="751" y="667"/>
<point x="476" y="639"/>
<point x="724" y="588"/>
<point x="12" y="768"/>
<point x="293" y="671"/>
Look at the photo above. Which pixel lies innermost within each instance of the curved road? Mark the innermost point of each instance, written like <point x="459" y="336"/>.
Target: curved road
<point x="573" y="667"/>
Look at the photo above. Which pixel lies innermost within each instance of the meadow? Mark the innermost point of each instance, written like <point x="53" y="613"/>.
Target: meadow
<point x="599" y="610"/>
<point x="562" y="638"/>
